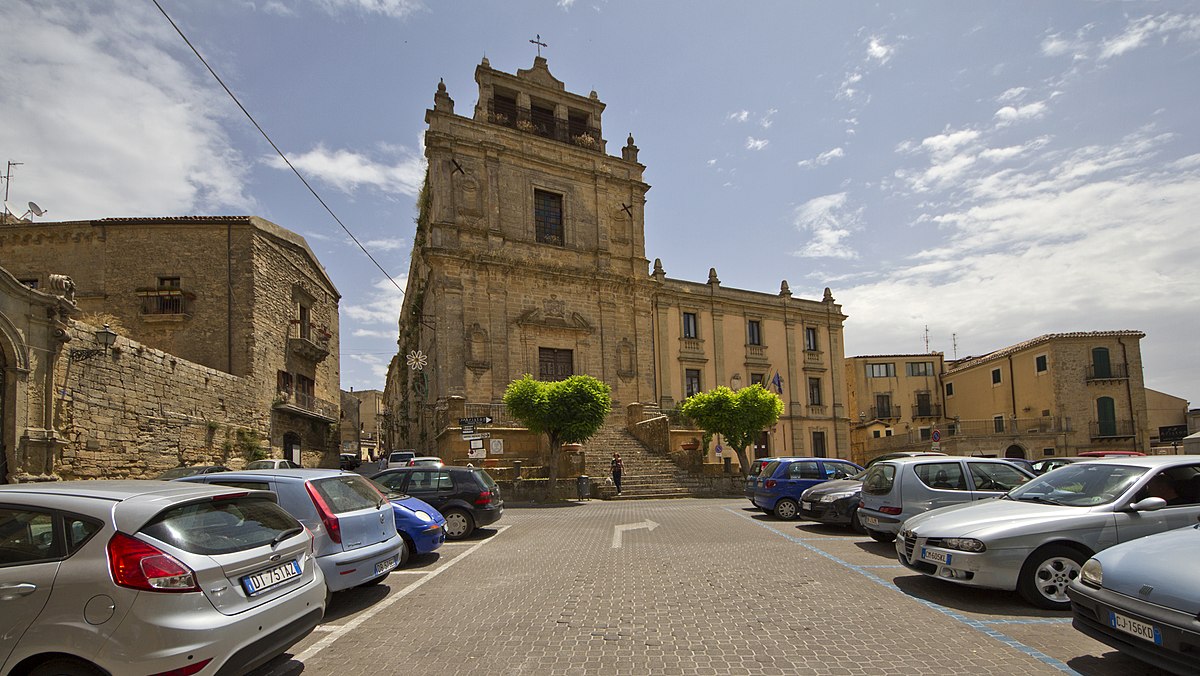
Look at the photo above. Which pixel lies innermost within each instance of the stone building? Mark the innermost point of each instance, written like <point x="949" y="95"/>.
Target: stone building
<point x="1057" y="394"/>
<point x="363" y="423"/>
<point x="239" y="299"/>
<point x="530" y="257"/>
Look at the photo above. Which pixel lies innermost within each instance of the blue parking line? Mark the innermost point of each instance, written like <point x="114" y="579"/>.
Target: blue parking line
<point x="977" y="625"/>
<point x="1047" y="620"/>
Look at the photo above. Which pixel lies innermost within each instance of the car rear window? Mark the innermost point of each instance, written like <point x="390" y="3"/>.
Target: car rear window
<point x="347" y="493"/>
<point x="879" y="479"/>
<point x="222" y="526"/>
<point x="769" y="470"/>
<point x="485" y="479"/>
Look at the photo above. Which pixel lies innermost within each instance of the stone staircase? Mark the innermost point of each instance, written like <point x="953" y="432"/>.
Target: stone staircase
<point x="647" y="474"/>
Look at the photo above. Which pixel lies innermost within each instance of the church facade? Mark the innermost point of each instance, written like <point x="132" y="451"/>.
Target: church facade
<point x="530" y="257"/>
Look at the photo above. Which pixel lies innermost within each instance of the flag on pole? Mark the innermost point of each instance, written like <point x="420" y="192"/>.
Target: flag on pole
<point x="777" y="383"/>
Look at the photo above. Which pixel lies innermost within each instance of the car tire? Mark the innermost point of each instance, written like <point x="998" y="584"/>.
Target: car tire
<point x="855" y="524"/>
<point x="1046" y="574"/>
<point x="786" y="509"/>
<point x="64" y="666"/>
<point x="459" y="524"/>
<point x="879" y="536"/>
<point x="407" y="551"/>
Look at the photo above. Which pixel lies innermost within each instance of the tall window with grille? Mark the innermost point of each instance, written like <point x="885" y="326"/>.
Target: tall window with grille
<point x="690" y="328"/>
<point x="810" y="339"/>
<point x="814" y="391"/>
<point x="167" y="299"/>
<point x="548" y="217"/>
<point x="818" y="444"/>
<point x="754" y="332"/>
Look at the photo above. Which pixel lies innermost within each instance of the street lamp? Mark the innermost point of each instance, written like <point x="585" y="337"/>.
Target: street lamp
<point x="105" y="338"/>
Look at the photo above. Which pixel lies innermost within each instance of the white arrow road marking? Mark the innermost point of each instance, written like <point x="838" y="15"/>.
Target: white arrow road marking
<point x="618" y="530"/>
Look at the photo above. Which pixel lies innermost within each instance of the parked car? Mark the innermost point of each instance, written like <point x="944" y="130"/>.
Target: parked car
<point x="900" y="454"/>
<point x="354" y="530"/>
<point x="178" y="472"/>
<point x="1024" y="464"/>
<point x="425" y="461"/>
<point x="272" y="463"/>
<point x="346" y="461"/>
<point x="894" y="490"/>
<point x="397" y="459"/>
<point x="1141" y="598"/>
<point x="1110" y="454"/>
<point x="782" y="481"/>
<point x="1046" y="464"/>
<point x="170" y="578"/>
<point x="834" y="502"/>
<point x="422" y="527"/>
<point x="466" y="496"/>
<point x="752" y="472"/>
<point x="1036" y="538"/>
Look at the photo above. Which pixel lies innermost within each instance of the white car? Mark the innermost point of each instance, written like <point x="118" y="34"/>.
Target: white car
<point x="150" y="577"/>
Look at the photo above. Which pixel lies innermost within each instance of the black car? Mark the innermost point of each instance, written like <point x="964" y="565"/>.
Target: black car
<point x="834" y="502"/>
<point x="349" y="461"/>
<point x="466" y="496"/>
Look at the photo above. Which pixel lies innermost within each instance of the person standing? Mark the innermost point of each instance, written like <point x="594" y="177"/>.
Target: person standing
<point x="617" y="470"/>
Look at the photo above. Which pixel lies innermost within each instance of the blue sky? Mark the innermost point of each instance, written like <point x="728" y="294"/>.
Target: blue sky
<point x="991" y="171"/>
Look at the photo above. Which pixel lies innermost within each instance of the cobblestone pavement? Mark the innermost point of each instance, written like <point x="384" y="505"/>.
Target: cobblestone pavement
<point x="715" y="587"/>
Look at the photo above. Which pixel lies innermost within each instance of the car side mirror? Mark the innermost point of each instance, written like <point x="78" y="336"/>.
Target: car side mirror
<point x="1148" y="505"/>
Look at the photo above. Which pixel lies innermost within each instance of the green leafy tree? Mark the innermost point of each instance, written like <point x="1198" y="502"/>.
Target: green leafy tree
<point x="567" y="411"/>
<point x="738" y="416"/>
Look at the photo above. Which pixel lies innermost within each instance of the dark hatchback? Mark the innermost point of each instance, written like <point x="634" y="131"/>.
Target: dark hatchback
<point x="467" y="496"/>
<point x="834" y="502"/>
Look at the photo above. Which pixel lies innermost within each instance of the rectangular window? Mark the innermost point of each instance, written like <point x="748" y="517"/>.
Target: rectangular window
<point x="283" y="382"/>
<point x="814" y="391"/>
<point x="877" y="434"/>
<point x="924" y="404"/>
<point x="757" y="378"/>
<point x="998" y="423"/>
<point x="818" y="444"/>
<point x="170" y="303"/>
<point x="304" y="318"/>
<point x="754" y="332"/>
<point x="1040" y="362"/>
<point x="690" y="330"/>
<point x="691" y="382"/>
<point x="925" y="432"/>
<point x="883" y="406"/>
<point x="548" y="217"/>
<point x="919" y="368"/>
<point x="554" y="364"/>
<point x="949" y="389"/>
<point x="995" y="376"/>
<point x="881" y="370"/>
<point x="810" y="339"/>
<point x="31" y="283"/>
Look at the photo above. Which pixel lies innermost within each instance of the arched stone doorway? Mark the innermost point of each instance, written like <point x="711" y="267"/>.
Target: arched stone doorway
<point x="291" y="447"/>
<point x="1014" y="451"/>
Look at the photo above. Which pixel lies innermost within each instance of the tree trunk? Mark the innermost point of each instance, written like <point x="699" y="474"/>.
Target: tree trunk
<point x="552" y="485"/>
<point x="743" y="461"/>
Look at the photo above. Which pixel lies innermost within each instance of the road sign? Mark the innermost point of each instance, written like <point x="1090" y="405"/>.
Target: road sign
<point x="468" y="429"/>
<point x="476" y="436"/>
<point x="936" y="435"/>
<point x="477" y="420"/>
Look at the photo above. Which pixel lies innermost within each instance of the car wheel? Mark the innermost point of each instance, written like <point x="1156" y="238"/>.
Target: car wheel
<point x="881" y="537"/>
<point x="459" y="524"/>
<point x="855" y="524"/>
<point x="1047" y="573"/>
<point x="407" y="551"/>
<point x="64" y="666"/>
<point x="786" y="509"/>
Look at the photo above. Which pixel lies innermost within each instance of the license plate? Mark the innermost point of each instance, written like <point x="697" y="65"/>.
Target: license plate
<point x="1131" y="626"/>
<point x="260" y="582"/>
<point x="806" y="505"/>
<point x="935" y="556"/>
<point x="385" y="565"/>
<point x="868" y="520"/>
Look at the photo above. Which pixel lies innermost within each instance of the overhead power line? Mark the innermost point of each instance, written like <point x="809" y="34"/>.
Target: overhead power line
<point x="277" y="150"/>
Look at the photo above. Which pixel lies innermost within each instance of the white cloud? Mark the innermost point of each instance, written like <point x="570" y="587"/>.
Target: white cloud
<point x="823" y="159"/>
<point x="756" y="143"/>
<point x="739" y="116"/>
<point x="766" y="120"/>
<point x="382" y="304"/>
<point x="848" y="90"/>
<point x="1139" y="31"/>
<point x="346" y="170"/>
<point x="391" y="244"/>
<point x="71" y="71"/>
<point x="1012" y="94"/>
<point x="879" y="51"/>
<point x="566" y="4"/>
<point x="396" y="9"/>
<point x="1010" y="114"/>
<point x="712" y="162"/>
<point x="830" y="220"/>
<point x="278" y="8"/>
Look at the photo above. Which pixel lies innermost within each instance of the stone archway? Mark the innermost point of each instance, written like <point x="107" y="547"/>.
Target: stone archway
<point x="1014" y="451"/>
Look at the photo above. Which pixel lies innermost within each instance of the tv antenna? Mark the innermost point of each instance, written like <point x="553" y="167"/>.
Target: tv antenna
<point x="8" y="181"/>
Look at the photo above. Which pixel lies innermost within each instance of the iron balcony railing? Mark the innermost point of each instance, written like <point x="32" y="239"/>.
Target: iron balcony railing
<point x="927" y="411"/>
<point x="1111" y="429"/>
<point x="884" y="412"/>
<point x="546" y="126"/>
<point x="307" y="403"/>
<point x="1107" y="372"/>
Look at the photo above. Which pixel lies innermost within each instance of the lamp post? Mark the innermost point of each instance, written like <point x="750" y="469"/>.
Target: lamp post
<point x="105" y="338"/>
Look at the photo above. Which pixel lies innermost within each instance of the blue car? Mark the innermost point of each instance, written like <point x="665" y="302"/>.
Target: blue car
<point x="422" y="527"/>
<point x="780" y="483"/>
<point x="1141" y="598"/>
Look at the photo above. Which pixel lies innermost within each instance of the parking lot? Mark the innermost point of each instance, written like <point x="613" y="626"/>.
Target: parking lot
<point x="682" y="587"/>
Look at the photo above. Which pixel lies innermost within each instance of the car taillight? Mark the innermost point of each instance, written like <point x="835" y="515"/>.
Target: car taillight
<point x="485" y="497"/>
<point x="140" y="565"/>
<point x="327" y="516"/>
<point x="890" y="510"/>
<point x="770" y="483"/>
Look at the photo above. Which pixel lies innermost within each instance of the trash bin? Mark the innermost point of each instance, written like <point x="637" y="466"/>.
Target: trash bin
<point x="583" y="487"/>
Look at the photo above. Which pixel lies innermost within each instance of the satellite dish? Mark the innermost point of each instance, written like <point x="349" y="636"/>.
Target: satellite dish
<point x="35" y="209"/>
<point x="9" y="208"/>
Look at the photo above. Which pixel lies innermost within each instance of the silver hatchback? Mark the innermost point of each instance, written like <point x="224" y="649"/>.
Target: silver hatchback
<point x="150" y="577"/>
<point x="894" y="490"/>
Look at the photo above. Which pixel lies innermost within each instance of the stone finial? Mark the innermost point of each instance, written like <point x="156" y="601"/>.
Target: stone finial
<point x="712" y="276"/>
<point x="594" y="96"/>
<point x="442" y="102"/>
<point x="828" y="296"/>
<point x="784" y="290"/>
<point x="658" y="268"/>
<point x="630" y="152"/>
<point x="485" y="63"/>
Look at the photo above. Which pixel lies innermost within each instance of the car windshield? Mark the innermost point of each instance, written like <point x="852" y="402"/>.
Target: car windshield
<point x="180" y="472"/>
<point x="391" y="493"/>
<point x="1080" y="485"/>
